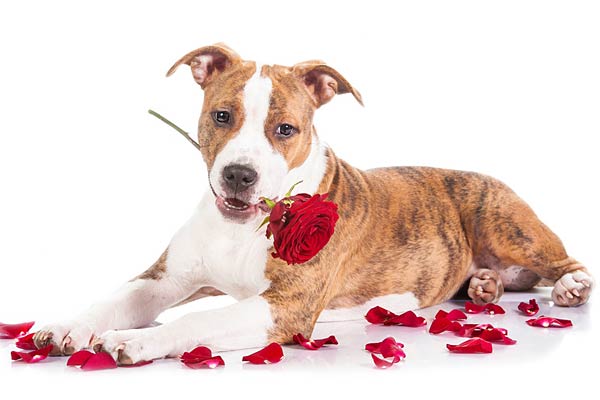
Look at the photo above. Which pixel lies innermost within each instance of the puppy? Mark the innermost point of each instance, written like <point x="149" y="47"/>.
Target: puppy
<point x="406" y="237"/>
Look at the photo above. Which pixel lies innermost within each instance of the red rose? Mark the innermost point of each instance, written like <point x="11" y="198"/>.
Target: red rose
<point x="301" y="226"/>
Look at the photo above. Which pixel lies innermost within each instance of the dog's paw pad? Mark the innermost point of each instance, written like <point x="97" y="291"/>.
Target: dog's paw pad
<point x="572" y="289"/>
<point x="485" y="287"/>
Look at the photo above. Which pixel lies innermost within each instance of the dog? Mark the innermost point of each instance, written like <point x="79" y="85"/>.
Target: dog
<point x="407" y="238"/>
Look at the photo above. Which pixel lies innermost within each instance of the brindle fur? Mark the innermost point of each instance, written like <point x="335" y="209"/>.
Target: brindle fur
<point x="410" y="230"/>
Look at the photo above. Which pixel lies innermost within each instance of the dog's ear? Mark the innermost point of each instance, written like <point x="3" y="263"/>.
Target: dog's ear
<point x="207" y="61"/>
<point x="323" y="82"/>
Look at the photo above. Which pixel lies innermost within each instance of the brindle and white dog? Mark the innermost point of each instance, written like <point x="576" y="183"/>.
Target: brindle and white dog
<point x="406" y="238"/>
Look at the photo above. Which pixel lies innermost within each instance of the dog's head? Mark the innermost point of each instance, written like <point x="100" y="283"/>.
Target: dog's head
<point x="256" y="123"/>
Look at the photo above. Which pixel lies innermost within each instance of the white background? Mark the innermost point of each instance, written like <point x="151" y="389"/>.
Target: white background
<point x="92" y="187"/>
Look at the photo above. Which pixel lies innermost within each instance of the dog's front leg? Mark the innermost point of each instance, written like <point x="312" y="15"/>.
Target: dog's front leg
<point x="173" y="278"/>
<point x="135" y="304"/>
<point x="290" y="305"/>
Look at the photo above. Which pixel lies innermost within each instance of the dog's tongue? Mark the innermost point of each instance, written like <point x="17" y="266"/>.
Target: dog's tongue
<point x="236" y="202"/>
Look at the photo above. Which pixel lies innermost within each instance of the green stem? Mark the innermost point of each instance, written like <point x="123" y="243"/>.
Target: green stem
<point x="178" y="129"/>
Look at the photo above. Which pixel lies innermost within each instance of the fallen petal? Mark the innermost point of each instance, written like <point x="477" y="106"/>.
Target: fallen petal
<point x="12" y="331"/>
<point x="376" y="347"/>
<point x="32" y="356"/>
<point x="26" y="342"/>
<point x="313" y="344"/>
<point x="486" y="332"/>
<point x="409" y="318"/>
<point x="440" y="325"/>
<point x="389" y="349"/>
<point x="200" y="357"/>
<point x="79" y="358"/>
<point x="453" y="315"/>
<point x="489" y="308"/>
<point x="549" y="322"/>
<point x="89" y="361"/>
<point x="530" y="308"/>
<point x="476" y="345"/>
<point x="379" y="315"/>
<point x="211" y="362"/>
<point x="99" y="361"/>
<point x="199" y="354"/>
<point x="271" y="354"/>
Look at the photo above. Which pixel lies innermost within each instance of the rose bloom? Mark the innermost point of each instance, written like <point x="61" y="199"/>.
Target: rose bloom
<point x="301" y="226"/>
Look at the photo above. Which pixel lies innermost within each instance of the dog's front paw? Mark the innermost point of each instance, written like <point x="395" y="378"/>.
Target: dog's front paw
<point x="485" y="287"/>
<point x="66" y="338"/>
<point x="131" y="346"/>
<point x="572" y="289"/>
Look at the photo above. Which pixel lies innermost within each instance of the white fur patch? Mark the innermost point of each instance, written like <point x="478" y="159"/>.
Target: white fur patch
<point x="250" y="146"/>
<point x="397" y="303"/>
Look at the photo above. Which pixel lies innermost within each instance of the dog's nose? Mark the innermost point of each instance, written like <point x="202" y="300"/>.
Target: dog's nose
<point x="239" y="177"/>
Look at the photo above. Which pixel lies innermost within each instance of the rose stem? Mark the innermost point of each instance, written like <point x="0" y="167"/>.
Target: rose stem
<point x="178" y="129"/>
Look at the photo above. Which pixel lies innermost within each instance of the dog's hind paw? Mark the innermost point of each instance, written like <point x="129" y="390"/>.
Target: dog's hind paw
<point x="485" y="287"/>
<point x="572" y="289"/>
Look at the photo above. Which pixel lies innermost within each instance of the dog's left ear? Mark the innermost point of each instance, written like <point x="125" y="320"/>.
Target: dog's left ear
<point x="324" y="82"/>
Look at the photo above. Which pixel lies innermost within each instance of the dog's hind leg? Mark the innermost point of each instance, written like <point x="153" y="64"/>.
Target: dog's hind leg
<point x="508" y="237"/>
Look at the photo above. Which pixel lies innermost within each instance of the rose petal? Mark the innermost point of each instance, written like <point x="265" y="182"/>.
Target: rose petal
<point x="389" y="349"/>
<point x="486" y="332"/>
<point x="409" y="319"/>
<point x="489" y="308"/>
<point x="549" y="322"/>
<point x="440" y="325"/>
<point x="211" y="362"/>
<point x="313" y="344"/>
<point x="476" y="345"/>
<point x="200" y="357"/>
<point x="197" y="355"/>
<point x="79" y="358"/>
<point x="530" y="308"/>
<point x="89" y="361"/>
<point x="379" y="315"/>
<point x="26" y="342"/>
<point x="271" y="354"/>
<point x="12" y="331"/>
<point x="453" y="315"/>
<point x="31" y="356"/>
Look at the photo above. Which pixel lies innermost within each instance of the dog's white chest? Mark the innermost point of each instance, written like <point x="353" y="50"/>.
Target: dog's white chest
<point x="230" y="257"/>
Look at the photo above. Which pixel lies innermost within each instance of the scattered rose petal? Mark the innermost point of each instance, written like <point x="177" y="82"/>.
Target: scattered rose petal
<point x="488" y="308"/>
<point x="389" y="349"/>
<point x="89" y="361"/>
<point x="201" y="357"/>
<point x="379" y="315"/>
<point x="486" y="332"/>
<point x="313" y="344"/>
<point x="13" y="331"/>
<point x="26" y="342"/>
<point x="443" y="324"/>
<point x="530" y="308"/>
<point x="31" y="356"/>
<point x="549" y="322"/>
<point x="271" y="354"/>
<point x="453" y="315"/>
<point x="475" y="345"/>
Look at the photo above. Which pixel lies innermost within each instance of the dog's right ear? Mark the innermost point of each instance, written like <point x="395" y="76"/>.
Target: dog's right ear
<point x="207" y="61"/>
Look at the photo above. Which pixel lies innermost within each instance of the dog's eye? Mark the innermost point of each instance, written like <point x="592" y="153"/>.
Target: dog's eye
<point x="222" y="117"/>
<point x="285" y="130"/>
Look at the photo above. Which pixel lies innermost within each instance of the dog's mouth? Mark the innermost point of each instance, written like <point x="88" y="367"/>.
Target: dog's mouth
<point x="238" y="210"/>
